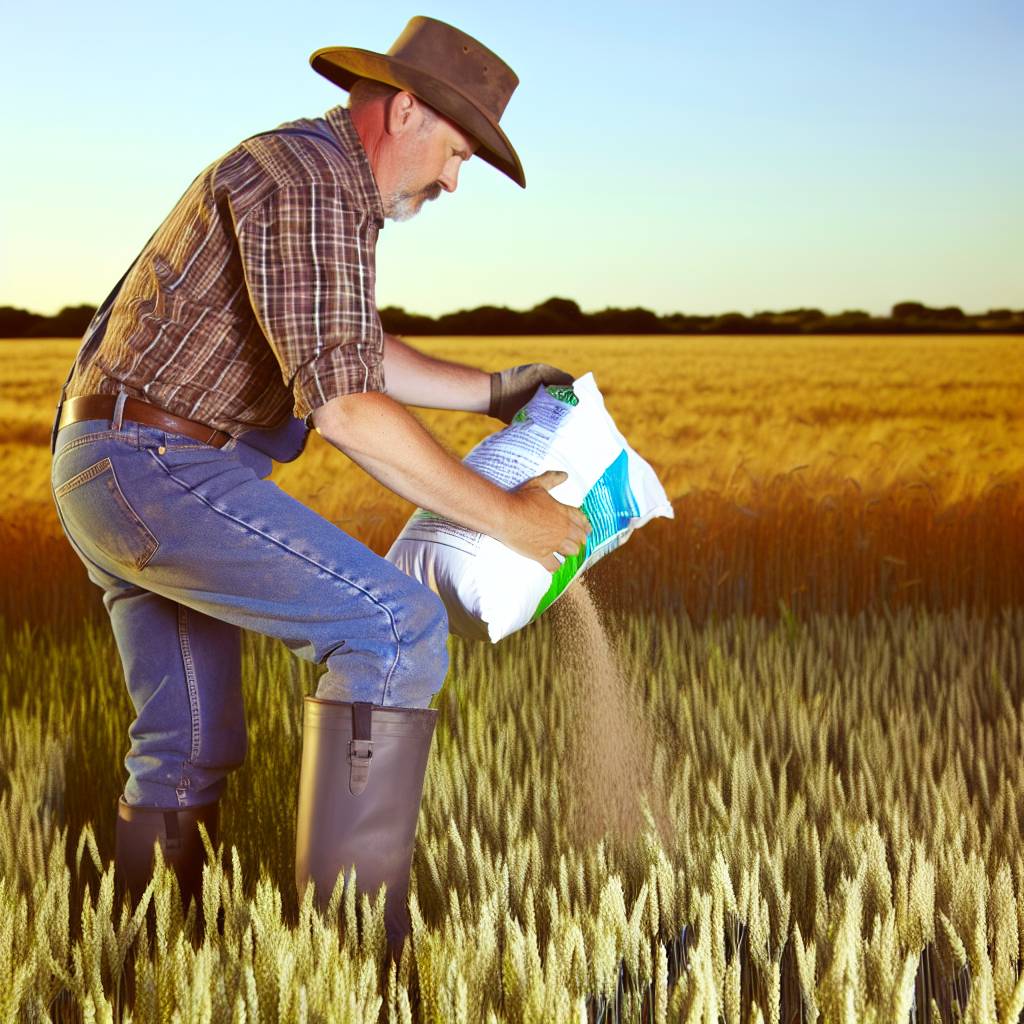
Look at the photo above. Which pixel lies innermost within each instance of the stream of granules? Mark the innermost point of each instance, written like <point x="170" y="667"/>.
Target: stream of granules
<point x="611" y="741"/>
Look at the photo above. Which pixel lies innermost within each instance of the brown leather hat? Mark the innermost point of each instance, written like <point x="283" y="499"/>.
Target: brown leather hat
<point x="452" y="72"/>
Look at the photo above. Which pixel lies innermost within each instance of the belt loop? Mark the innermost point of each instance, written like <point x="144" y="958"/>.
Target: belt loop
<point x="115" y="423"/>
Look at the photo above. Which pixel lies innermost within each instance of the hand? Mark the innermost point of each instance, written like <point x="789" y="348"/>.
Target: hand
<point x="512" y="389"/>
<point x="540" y="525"/>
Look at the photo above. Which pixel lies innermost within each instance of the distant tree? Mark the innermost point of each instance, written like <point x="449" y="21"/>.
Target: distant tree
<point x="786" y="322"/>
<point x="482" y="320"/>
<point x="681" y="323"/>
<point x="562" y="311"/>
<point x="767" y="322"/>
<point x="1002" y="321"/>
<point x="16" y="323"/>
<point x="804" y="319"/>
<point x="730" y="323"/>
<point x="396" y="320"/>
<point x="850" y="321"/>
<point x="905" y="310"/>
<point x="625" y="321"/>
<point x="554" y="316"/>
<point x="918" y="316"/>
<point x="886" y="325"/>
<point x="70" y="322"/>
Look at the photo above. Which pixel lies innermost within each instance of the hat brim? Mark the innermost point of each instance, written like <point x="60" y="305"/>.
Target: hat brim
<point x="342" y="65"/>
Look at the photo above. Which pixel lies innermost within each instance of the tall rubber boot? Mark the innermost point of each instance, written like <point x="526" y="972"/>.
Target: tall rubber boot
<point x="360" y="787"/>
<point x="177" y="831"/>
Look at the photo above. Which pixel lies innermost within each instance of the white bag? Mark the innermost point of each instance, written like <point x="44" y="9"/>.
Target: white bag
<point x="489" y="589"/>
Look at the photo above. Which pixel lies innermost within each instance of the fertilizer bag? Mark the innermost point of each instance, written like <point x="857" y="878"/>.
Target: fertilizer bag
<point x="490" y="590"/>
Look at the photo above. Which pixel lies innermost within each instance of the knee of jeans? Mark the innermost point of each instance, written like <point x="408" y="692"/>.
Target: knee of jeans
<point x="232" y="750"/>
<point x="423" y="635"/>
<point x="429" y="622"/>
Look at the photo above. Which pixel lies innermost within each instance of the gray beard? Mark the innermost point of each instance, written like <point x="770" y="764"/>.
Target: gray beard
<point x="406" y="205"/>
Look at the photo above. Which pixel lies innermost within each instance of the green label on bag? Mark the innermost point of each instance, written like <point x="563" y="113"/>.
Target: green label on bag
<point x="609" y="506"/>
<point x="562" y="394"/>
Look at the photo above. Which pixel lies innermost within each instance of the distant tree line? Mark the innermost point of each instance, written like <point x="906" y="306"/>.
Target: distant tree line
<point x="70" y="322"/>
<point x="563" y="316"/>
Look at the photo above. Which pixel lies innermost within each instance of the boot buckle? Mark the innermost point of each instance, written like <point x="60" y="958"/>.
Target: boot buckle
<point x="360" y="753"/>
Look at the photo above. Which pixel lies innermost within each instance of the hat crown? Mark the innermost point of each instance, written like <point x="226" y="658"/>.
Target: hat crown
<point x="461" y="60"/>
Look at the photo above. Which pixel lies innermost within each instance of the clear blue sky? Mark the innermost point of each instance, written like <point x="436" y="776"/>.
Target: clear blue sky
<point x="703" y="157"/>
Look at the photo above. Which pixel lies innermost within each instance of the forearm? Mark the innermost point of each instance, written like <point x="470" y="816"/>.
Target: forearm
<point x="382" y="437"/>
<point x="414" y="378"/>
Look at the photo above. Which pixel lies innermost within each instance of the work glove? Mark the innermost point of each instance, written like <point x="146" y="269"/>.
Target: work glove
<point x="512" y="389"/>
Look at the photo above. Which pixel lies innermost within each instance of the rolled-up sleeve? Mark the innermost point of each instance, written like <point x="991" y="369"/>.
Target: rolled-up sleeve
<point x="308" y="257"/>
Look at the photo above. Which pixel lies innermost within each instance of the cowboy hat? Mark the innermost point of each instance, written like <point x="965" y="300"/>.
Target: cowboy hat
<point x="445" y="68"/>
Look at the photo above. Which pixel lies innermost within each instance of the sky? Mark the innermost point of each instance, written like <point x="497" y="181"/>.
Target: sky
<point x="681" y="156"/>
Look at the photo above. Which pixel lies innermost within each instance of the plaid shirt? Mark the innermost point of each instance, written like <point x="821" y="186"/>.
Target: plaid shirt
<point x="255" y="297"/>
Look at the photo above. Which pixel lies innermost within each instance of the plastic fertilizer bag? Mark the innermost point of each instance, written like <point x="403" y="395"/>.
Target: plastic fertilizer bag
<point x="489" y="589"/>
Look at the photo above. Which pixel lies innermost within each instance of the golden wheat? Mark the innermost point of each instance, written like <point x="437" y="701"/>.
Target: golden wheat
<point x="841" y="777"/>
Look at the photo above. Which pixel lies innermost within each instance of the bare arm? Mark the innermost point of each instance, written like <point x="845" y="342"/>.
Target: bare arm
<point x="377" y="433"/>
<point x="414" y="378"/>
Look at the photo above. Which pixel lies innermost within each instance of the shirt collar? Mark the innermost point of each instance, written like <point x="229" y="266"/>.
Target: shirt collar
<point x="340" y="121"/>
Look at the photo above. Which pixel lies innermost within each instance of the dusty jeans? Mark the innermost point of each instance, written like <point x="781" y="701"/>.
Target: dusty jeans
<point x="190" y="544"/>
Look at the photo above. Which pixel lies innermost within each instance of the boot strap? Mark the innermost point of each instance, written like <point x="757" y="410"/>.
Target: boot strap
<point x="172" y="840"/>
<point x="360" y="748"/>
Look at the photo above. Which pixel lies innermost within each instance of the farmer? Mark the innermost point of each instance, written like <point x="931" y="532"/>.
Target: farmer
<point x="247" y="320"/>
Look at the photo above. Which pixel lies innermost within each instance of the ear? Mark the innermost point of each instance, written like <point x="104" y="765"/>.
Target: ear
<point x="399" y="113"/>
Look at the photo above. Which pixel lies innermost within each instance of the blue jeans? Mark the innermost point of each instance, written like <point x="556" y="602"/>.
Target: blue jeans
<point x="190" y="544"/>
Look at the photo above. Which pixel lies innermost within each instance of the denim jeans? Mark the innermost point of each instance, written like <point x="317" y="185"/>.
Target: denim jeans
<point x="190" y="544"/>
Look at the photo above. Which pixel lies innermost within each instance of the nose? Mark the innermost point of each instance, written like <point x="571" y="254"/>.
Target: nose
<point x="449" y="179"/>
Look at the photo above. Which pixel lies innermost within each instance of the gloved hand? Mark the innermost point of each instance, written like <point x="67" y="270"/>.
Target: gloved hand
<point x="512" y="389"/>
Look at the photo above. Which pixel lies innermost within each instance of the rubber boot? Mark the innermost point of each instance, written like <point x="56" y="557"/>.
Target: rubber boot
<point x="360" y="787"/>
<point x="177" y="831"/>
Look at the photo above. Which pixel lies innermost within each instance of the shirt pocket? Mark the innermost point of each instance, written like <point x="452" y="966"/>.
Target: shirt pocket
<point x="99" y="516"/>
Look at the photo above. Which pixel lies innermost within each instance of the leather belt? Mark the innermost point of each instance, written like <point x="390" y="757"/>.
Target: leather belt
<point x="101" y="407"/>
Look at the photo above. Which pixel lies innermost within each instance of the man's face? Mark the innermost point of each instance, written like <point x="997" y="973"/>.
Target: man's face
<point x="429" y="159"/>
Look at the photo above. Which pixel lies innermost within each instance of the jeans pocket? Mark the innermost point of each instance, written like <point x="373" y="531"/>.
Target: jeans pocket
<point x="97" y="512"/>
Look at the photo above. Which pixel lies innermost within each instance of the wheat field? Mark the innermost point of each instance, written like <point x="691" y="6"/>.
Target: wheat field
<point x="827" y="643"/>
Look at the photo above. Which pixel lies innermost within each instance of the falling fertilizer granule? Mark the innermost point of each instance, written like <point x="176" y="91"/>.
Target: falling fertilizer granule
<point x="611" y="742"/>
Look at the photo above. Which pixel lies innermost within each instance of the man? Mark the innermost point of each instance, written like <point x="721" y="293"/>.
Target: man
<point x="249" y="318"/>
